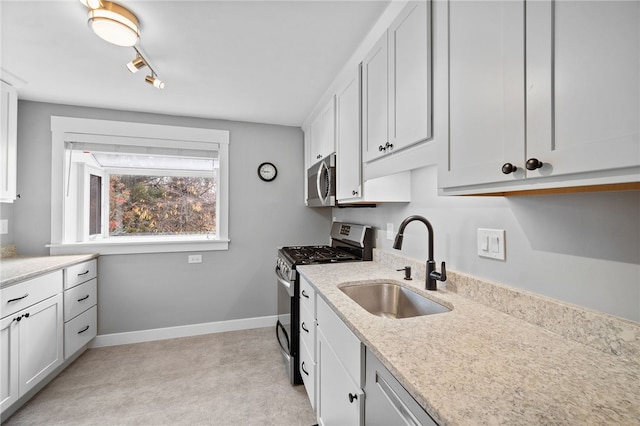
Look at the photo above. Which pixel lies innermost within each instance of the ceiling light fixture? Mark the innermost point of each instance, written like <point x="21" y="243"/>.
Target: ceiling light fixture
<point x="136" y="64"/>
<point x="112" y="22"/>
<point x="92" y="4"/>
<point x="154" y="81"/>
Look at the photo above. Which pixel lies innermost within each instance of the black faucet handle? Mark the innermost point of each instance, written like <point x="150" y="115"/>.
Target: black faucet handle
<point x="407" y="272"/>
<point x="440" y="276"/>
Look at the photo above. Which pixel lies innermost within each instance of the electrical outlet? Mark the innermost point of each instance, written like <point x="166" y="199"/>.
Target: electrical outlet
<point x="390" y="231"/>
<point x="491" y="243"/>
<point x="195" y="258"/>
<point x="4" y="226"/>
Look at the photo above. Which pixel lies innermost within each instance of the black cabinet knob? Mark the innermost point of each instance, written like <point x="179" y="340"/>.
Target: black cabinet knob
<point x="381" y="148"/>
<point x="533" y="163"/>
<point x="508" y="168"/>
<point x="352" y="397"/>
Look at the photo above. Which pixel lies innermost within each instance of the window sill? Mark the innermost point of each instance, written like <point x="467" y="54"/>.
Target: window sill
<point x="138" y="245"/>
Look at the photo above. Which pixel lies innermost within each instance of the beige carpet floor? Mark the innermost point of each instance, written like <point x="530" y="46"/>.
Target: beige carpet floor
<point x="234" y="378"/>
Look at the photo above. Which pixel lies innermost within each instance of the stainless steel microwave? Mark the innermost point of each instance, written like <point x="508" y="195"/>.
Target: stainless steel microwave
<point x="321" y="183"/>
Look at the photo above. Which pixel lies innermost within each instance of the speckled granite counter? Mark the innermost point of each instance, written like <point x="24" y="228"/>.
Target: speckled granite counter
<point x="16" y="269"/>
<point x="478" y="365"/>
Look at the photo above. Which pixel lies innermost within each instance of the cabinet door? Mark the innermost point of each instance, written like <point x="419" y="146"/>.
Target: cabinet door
<point x="41" y="344"/>
<point x="349" y="162"/>
<point x="485" y="49"/>
<point x="328" y="141"/>
<point x="583" y="85"/>
<point x="9" y="365"/>
<point x="374" y="101"/>
<point x="409" y="86"/>
<point x="340" y="401"/>
<point x="8" y="142"/>
<point x="316" y="141"/>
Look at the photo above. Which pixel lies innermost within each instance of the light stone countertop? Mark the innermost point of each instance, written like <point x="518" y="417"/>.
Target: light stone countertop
<point x="477" y="365"/>
<point x="16" y="269"/>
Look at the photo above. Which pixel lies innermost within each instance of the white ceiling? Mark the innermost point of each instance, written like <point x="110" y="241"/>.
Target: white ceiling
<point x="258" y="61"/>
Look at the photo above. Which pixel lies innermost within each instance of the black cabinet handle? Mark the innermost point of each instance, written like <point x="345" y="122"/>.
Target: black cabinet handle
<point x="508" y="168"/>
<point x="303" y="369"/>
<point x="18" y="298"/>
<point x="533" y="163"/>
<point x="381" y="148"/>
<point x="354" y="192"/>
<point x="83" y="298"/>
<point x="18" y="319"/>
<point x="352" y="397"/>
<point x="83" y="330"/>
<point x="304" y="294"/>
<point x="84" y="273"/>
<point x="302" y="326"/>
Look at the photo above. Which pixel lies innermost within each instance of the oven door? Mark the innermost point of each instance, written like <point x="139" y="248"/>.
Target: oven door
<point x="284" y="329"/>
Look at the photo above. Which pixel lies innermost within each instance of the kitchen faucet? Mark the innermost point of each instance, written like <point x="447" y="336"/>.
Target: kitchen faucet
<point x="432" y="274"/>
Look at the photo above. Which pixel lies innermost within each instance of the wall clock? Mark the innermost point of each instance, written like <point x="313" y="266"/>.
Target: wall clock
<point x="267" y="171"/>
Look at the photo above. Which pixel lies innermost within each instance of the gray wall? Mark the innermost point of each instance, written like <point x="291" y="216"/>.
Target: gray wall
<point x="580" y="248"/>
<point x="138" y="292"/>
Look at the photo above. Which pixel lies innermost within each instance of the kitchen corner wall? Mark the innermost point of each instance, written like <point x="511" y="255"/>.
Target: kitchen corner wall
<point x="579" y="248"/>
<point x="147" y="291"/>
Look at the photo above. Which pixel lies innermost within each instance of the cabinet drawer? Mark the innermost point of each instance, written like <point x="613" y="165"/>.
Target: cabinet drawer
<point x="307" y="296"/>
<point x="308" y="373"/>
<point x="307" y="330"/>
<point x="82" y="272"/>
<point x="80" y="330"/>
<point x="344" y="343"/>
<point x="27" y="293"/>
<point x="80" y="298"/>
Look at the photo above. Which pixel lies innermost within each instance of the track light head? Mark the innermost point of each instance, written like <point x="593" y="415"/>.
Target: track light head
<point x="154" y="81"/>
<point x="136" y="64"/>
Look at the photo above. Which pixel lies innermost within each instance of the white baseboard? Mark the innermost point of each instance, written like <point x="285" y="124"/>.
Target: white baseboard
<point x="115" y="339"/>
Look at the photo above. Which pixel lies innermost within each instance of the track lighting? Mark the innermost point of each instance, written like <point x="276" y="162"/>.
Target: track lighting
<point x="155" y="81"/>
<point x="117" y="25"/>
<point x="136" y="64"/>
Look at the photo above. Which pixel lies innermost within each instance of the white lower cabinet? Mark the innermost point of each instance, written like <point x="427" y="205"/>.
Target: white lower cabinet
<point x="340" y="361"/>
<point x="388" y="403"/>
<point x="46" y="320"/>
<point x="307" y="330"/>
<point x="31" y="342"/>
<point x="80" y="306"/>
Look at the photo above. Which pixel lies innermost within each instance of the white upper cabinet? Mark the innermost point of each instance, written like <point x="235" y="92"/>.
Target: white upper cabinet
<point x="375" y="101"/>
<point x="539" y="95"/>
<point x="349" y="163"/>
<point x="396" y="85"/>
<point x="583" y="85"/>
<point x="322" y="132"/>
<point x="351" y="186"/>
<point x="8" y="142"/>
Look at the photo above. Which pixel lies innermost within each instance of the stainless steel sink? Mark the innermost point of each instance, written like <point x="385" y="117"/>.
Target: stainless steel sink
<point x="390" y="300"/>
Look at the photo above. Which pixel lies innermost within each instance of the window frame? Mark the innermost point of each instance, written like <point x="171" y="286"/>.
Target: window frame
<point x="65" y="129"/>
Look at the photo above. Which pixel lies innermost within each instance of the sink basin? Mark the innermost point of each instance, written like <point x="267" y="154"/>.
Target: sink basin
<point x="390" y="300"/>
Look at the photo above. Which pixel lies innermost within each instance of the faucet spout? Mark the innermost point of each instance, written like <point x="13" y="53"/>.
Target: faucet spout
<point x="432" y="275"/>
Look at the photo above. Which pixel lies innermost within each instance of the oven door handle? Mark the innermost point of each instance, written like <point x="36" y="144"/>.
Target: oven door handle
<point x="286" y="350"/>
<point x="284" y="282"/>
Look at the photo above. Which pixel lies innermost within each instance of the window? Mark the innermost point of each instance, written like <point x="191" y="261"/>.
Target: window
<point x="137" y="188"/>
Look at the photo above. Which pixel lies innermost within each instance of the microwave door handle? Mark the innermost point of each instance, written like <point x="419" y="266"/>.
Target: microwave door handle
<point x="321" y="169"/>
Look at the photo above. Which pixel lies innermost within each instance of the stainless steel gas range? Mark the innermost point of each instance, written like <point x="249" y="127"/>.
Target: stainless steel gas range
<point x="349" y="243"/>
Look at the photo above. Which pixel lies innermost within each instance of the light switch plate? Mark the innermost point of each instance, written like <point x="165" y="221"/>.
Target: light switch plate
<point x="195" y="258"/>
<point x="390" y="235"/>
<point x="491" y="243"/>
<point x="4" y="226"/>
